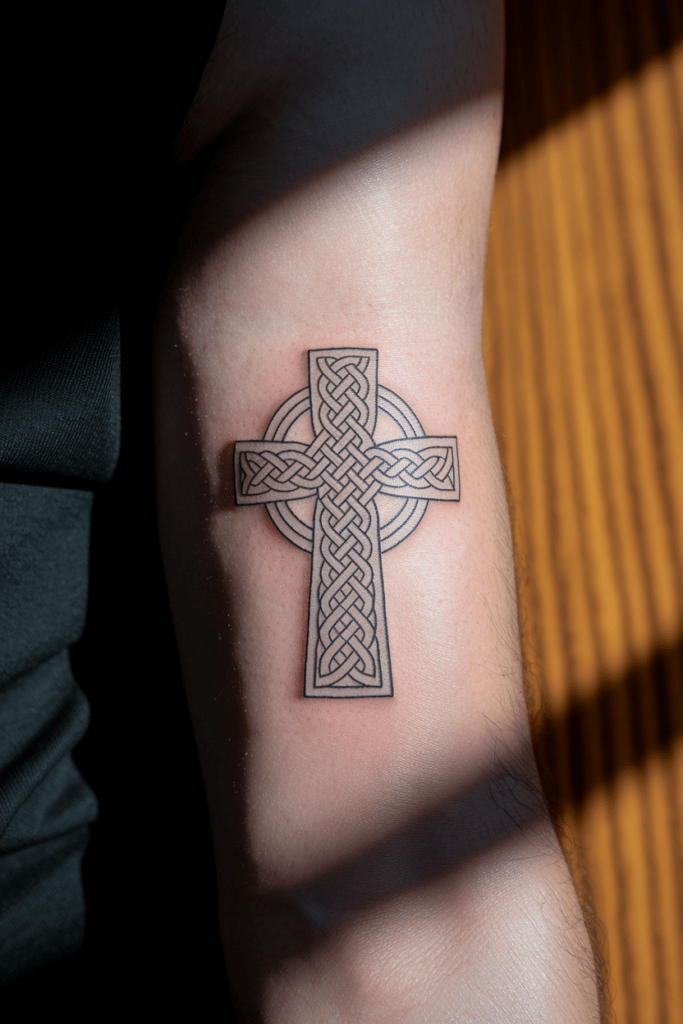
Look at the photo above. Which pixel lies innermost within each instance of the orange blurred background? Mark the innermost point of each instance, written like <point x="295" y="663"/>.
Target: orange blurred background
<point x="583" y="334"/>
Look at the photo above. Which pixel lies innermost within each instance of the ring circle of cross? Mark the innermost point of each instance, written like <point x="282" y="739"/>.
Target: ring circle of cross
<point x="297" y="530"/>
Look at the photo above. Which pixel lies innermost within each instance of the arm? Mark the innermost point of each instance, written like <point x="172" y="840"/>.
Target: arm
<point x="378" y="860"/>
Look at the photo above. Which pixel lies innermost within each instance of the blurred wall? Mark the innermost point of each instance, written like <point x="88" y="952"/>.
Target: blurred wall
<point x="584" y="352"/>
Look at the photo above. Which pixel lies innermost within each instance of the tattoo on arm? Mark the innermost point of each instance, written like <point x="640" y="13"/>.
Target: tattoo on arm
<point x="368" y="495"/>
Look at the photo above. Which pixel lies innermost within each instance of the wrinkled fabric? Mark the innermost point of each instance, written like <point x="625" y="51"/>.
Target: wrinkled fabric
<point x="60" y="409"/>
<point x="45" y="805"/>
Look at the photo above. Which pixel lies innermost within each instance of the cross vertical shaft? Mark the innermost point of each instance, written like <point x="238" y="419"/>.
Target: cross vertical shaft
<point x="347" y="646"/>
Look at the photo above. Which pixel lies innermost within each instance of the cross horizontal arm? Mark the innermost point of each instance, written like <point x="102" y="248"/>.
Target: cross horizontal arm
<point x="419" y="467"/>
<point x="268" y="471"/>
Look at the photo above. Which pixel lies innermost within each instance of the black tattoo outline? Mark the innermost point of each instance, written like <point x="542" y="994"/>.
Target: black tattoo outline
<point x="347" y="648"/>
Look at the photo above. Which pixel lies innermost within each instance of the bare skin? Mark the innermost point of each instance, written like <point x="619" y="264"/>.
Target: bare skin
<point x="378" y="860"/>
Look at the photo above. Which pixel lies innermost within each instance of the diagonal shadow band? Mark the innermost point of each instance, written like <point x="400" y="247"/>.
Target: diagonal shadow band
<point x="627" y="722"/>
<point x="562" y="55"/>
<point x="501" y="806"/>
<point x="590" y="745"/>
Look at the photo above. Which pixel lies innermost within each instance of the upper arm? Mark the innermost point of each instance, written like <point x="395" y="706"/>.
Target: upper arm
<point x="345" y="207"/>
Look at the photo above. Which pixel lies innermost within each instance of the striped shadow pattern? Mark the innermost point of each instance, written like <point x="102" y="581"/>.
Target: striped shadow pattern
<point x="583" y="335"/>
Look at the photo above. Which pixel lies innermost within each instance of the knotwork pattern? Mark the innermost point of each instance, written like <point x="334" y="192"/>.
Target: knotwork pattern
<point x="347" y="623"/>
<point x="264" y="472"/>
<point x="345" y="469"/>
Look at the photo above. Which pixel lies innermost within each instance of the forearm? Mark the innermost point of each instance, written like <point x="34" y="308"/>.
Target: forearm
<point x="378" y="859"/>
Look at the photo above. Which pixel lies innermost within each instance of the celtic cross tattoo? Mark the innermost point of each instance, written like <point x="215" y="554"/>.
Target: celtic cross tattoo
<point x="345" y="470"/>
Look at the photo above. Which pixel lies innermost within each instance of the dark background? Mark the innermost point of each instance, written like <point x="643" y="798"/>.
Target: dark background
<point x="91" y="219"/>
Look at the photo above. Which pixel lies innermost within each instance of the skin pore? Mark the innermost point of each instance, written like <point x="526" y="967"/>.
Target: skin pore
<point x="377" y="860"/>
